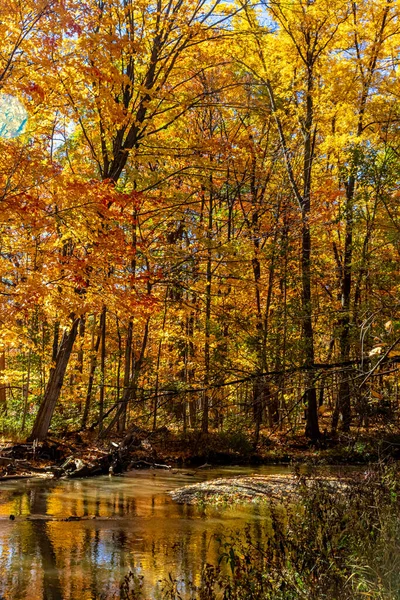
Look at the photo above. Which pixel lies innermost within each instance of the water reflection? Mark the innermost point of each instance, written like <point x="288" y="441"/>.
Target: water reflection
<point x="129" y="521"/>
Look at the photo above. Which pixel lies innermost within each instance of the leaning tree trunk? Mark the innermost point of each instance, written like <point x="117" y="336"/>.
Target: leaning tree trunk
<point x="54" y="385"/>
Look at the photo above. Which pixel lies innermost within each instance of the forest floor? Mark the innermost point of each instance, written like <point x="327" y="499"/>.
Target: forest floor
<point x="82" y="454"/>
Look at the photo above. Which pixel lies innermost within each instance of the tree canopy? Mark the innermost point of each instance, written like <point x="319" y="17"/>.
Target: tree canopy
<point x="199" y="214"/>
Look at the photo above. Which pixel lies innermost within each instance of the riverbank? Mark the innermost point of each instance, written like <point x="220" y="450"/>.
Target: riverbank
<point x="83" y="455"/>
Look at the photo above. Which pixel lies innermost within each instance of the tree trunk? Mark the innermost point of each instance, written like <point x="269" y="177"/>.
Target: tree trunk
<point x="157" y="383"/>
<point x="344" y="322"/>
<point x="310" y="395"/>
<point x="127" y="375"/>
<point x="102" y="366"/>
<point x="3" y="388"/>
<point x="344" y="400"/>
<point x="130" y="391"/>
<point x="80" y="355"/>
<point x="206" y="397"/>
<point x="304" y="202"/>
<point x="54" y="384"/>
<point x="93" y="363"/>
<point x="260" y="391"/>
<point x="26" y="390"/>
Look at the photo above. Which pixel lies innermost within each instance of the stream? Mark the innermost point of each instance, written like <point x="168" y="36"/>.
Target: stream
<point x="130" y="521"/>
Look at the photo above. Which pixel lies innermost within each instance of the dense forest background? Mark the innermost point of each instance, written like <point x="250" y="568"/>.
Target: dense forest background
<point x="200" y="218"/>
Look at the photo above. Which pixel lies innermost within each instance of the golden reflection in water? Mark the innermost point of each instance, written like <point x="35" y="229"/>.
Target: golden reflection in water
<point x="130" y="522"/>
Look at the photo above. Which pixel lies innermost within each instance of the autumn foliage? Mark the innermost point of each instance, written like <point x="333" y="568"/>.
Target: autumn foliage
<point x="200" y="218"/>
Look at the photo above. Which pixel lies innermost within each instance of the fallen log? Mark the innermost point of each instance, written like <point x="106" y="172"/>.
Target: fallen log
<point x="75" y="461"/>
<point x="151" y="465"/>
<point x="17" y="476"/>
<point x="116" y="460"/>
